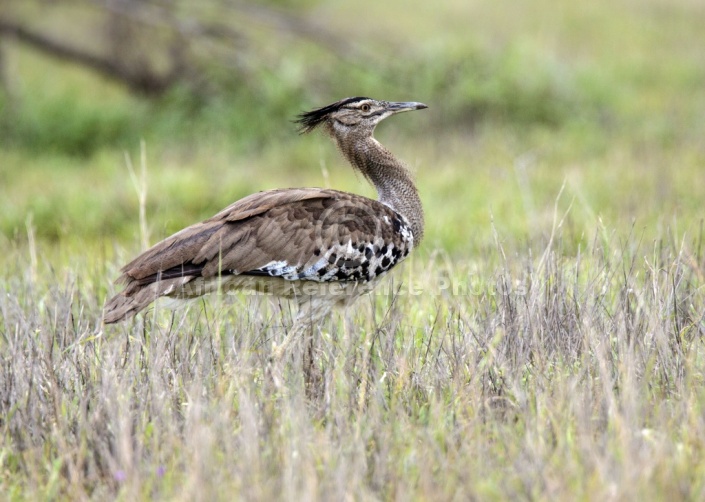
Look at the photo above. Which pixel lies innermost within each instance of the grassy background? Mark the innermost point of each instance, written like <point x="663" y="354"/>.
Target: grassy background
<point x="555" y="348"/>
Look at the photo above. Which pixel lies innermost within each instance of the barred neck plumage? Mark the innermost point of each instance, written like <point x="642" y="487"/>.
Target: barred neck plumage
<point x="351" y="123"/>
<point x="393" y="181"/>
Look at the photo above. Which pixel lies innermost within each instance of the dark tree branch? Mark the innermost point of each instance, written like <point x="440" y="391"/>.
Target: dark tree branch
<point x="157" y="16"/>
<point x="143" y="82"/>
<point x="143" y="35"/>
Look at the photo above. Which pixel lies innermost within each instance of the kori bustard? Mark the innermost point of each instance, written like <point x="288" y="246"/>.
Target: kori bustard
<point x="318" y="246"/>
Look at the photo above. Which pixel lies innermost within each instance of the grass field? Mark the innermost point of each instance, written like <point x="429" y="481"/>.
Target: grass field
<point x="544" y="343"/>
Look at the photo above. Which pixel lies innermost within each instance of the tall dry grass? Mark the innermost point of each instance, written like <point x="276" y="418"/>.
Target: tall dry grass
<point x="527" y="374"/>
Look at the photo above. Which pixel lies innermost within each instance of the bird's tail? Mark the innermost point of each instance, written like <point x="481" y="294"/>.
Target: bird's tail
<point x="135" y="298"/>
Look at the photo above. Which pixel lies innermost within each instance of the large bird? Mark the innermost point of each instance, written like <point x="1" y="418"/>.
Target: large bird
<point x="318" y="246"/>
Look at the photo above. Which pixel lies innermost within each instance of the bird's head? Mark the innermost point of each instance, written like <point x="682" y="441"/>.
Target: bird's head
<point x="358" y="115"/>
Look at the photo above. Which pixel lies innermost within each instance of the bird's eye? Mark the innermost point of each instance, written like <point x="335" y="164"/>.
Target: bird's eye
<point x="365" y="108"/>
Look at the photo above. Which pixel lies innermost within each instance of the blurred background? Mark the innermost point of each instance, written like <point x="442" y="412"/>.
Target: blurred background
<point x="605" y="99"/>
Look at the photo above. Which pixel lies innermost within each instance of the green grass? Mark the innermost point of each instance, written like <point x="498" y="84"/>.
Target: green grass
<point x="545" y="342"/>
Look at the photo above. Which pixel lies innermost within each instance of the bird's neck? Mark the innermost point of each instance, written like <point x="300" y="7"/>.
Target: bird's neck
<point x="393" y="181"/>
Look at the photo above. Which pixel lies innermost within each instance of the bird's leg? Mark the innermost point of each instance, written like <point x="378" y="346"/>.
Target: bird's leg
<point x="275" y="367"/>
<point x="301" y="323"/>
<point x="310" y="313"/>
<point x="311" y="376"/>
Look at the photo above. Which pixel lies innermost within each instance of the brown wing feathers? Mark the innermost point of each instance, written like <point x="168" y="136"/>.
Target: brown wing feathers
<point x="204" y="241"/>
<point x="196" y="251"/>
<point x="300" y="234"/>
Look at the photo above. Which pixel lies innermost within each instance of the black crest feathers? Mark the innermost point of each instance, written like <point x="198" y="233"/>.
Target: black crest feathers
<point x="308" y="121"/>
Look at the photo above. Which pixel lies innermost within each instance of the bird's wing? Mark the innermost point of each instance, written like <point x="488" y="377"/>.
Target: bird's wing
<point x="295" y="234"/>
<point x="182" y="247"/>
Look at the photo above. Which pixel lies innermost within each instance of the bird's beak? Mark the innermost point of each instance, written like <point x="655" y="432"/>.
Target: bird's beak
<point x="405" y="106"/>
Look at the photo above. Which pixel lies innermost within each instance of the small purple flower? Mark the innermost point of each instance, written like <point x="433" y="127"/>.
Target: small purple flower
<point x="161" y="470"/>
<point x="120" y="476"/>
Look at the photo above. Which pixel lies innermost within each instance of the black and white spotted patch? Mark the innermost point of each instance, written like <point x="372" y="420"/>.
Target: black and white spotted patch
<point x="350" y="261"/>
